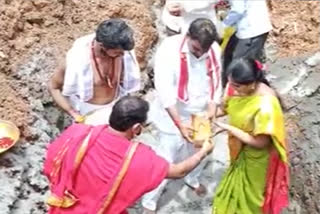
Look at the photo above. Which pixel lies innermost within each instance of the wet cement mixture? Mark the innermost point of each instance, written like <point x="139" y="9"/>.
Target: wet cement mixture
<point x="34" y="37"/>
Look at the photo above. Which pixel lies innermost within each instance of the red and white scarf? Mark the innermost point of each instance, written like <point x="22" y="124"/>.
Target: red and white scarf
<point x="212" y="67"/>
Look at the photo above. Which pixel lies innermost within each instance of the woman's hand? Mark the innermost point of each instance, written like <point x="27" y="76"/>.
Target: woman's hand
<point x="220" y="127"/>
<point x="258" y="141"/>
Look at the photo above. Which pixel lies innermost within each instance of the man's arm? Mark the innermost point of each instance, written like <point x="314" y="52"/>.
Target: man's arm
<point x="164" y="79"/>
<point x="181" y="169"/>
<point x="212" y="110"/>
<point x="184" y="129"/>
<point x="238" y="9"/>
<point x="213" y="104"/>
<point x="55" y="87"/>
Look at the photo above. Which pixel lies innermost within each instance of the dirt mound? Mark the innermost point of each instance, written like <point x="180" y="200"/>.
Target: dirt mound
<point x="12" y="107"/>
<point x="34" y="25"/>
<point x="296" y="26"/>
<point x="56" y="23"/>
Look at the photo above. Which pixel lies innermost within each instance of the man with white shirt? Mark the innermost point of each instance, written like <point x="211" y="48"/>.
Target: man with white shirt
<point x="252" y="22"/>
<point x="177" y="15"/>
<point x="100" y="68"/>
<point x="187" y="81"/>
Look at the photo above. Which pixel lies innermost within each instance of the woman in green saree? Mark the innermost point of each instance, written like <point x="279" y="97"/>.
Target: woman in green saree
<point x="257" y="179"/>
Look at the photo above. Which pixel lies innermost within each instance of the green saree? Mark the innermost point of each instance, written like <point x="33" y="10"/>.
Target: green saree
<point x="257" y="179"/>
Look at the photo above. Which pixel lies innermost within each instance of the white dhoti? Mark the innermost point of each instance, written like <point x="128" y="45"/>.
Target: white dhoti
<point x="174" y="149"/>
<point x="172" y="146"/>
<point x="96" y="114"/>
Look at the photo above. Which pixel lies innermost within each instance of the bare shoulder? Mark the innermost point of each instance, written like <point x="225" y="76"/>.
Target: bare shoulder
<point x="265" y="90"/>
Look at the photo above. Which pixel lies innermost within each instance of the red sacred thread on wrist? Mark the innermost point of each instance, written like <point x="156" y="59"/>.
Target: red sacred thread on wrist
<point x="176" y="123"/>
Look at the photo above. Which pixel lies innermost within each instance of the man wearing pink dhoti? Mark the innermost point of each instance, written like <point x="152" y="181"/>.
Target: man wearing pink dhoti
<point x="99" y="169"/>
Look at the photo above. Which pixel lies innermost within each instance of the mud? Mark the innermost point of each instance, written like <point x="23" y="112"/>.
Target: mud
<point x="296" y="27"/>
<point x="298" y="80"/>
<point x="34" y="37"/>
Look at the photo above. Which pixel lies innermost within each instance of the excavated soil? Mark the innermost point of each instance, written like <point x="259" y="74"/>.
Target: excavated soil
<point x="33" y="25"/>
<point x="12" y="106"/>
<point x="296" y="27"/>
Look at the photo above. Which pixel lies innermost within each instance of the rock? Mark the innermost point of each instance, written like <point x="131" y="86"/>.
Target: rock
<point x="37" y="105"/>
<point x="295" y="160"/>
<point x="26" y="7"/>
<point x="34" y="18"/>
<point x="19" y="26"/>
<point x="30" y="41"/>
<point x="41" y="3"/>
<point x="3" y="55"/>
<point x="10" y="182"/>
<point x="314" y="60"/>
<point x="49" y="23"/>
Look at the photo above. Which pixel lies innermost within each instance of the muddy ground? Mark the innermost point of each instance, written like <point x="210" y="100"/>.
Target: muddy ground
<point x="34" y="37"/>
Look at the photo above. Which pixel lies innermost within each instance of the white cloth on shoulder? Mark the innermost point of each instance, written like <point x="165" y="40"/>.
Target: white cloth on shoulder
<point x="78" y="79"/>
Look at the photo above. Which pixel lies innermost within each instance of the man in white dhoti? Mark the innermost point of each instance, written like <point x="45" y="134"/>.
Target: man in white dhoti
<point x="187" y="81"/>
<point x="100" y="68"/>
<point x="177" y="15"/>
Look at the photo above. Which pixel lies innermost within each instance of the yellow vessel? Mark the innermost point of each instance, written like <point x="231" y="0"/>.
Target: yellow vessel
<point x="202" y="129"/>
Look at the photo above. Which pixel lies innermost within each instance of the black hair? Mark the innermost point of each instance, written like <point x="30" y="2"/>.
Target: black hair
<point x="115" y="33"/>
<point x="246" y="71"/>
<point x="204" y="31"/>
<point x="128" y="111"/>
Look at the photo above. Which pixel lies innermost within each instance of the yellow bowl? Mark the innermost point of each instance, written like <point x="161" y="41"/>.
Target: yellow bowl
<point x="202" y="129"/>
<point x="8" y="130"/>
